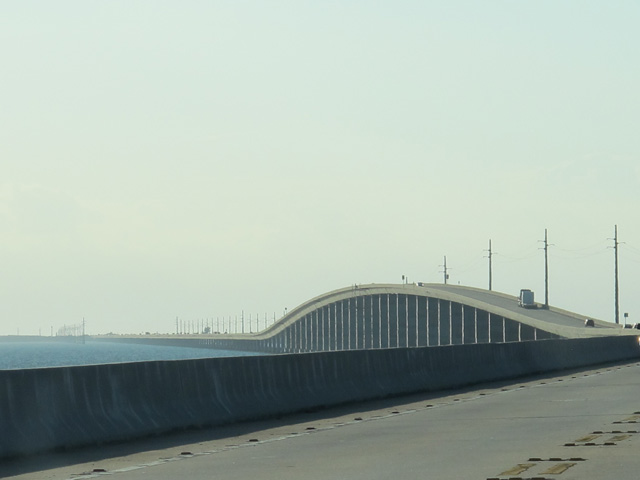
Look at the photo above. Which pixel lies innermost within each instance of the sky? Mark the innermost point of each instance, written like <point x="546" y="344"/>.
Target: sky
<point x="196" y="160"/>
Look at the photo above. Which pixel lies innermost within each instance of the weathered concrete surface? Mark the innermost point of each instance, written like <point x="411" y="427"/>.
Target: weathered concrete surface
<point x="43" y="409"/>
<point x="492" y="431"/>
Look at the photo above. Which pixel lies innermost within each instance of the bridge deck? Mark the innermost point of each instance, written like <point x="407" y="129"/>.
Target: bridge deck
<point x="510" y="303"/>
<point x="554" y="320"/>
<point x="501" y="431"/>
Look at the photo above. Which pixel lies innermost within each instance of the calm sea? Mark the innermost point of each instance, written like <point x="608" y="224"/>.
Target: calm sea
<point x="18" y="355"/>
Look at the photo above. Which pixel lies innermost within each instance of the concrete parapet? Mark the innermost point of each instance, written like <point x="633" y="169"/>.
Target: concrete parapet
<point x="50" y="408"/>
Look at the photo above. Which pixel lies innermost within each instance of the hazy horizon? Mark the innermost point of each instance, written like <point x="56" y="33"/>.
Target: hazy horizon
<point x="198" y="159"/>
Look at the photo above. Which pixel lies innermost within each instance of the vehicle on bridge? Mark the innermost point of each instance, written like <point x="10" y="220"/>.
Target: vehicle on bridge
<point x="526" y="299"/>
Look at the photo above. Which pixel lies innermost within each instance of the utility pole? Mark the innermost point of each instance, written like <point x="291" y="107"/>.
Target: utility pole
<point x="446" y="274"/>
<point x="617" y="286"/>
<point x="546" y="270"/>
<point x="490" y="269"/>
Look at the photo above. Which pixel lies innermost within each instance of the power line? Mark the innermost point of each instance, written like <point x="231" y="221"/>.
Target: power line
<point x="595" y="246"/>
<point x="579" y="257"/>
<point x="633" y="251"/>
<point x="472" y="265"/>
<point x="506" y="259"/>
<point x="530" y="252"/>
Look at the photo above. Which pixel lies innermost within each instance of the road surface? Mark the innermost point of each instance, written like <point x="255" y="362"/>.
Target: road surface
<point x="578" y="425"/>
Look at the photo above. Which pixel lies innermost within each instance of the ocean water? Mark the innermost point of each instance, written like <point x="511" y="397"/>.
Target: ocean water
<point x="19" y="355"/>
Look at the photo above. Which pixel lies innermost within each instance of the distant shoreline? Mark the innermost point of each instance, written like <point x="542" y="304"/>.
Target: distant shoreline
<point x="38" y="338"/>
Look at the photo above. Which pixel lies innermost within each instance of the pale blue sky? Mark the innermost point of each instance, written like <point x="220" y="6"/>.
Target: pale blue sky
<point x="197" y="159"/>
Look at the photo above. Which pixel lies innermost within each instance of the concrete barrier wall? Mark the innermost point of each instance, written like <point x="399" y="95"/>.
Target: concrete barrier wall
<point x="49" y="408"/>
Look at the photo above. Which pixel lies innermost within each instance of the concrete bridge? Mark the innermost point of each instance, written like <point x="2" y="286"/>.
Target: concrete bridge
<point x="346" y="346"/>
<point x="378" y="316"/>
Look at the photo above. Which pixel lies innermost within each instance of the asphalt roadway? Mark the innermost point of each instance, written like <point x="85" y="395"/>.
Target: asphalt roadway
<point x="510" y="303"/>
<point x="577" y="425"/>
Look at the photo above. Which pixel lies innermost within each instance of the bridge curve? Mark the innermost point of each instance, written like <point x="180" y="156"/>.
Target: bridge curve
<point x="361" y="339"/>
<point x="377" y="316"/>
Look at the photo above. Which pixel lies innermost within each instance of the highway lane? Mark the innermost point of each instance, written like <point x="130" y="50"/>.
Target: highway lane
<point x="537" y="428"/>
<point x="510" y="303"/>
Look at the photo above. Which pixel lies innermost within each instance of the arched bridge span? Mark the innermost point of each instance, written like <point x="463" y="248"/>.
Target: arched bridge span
<point x="378" y="316"/>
